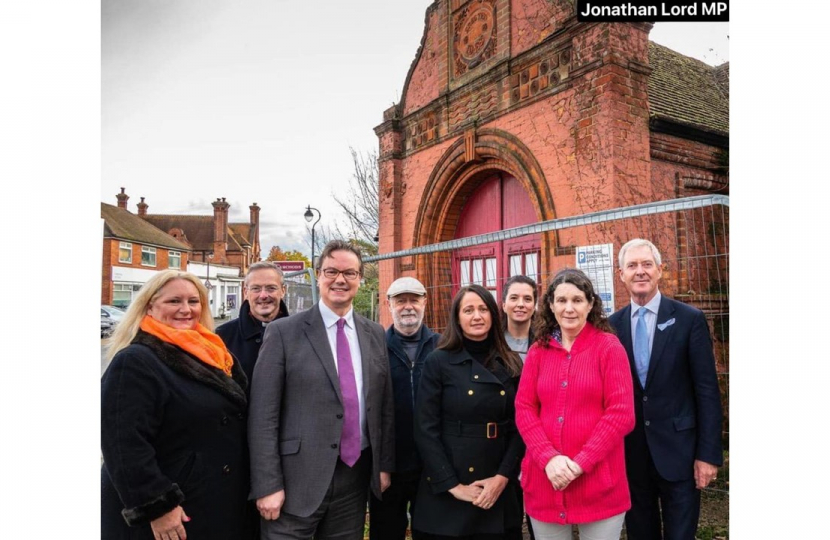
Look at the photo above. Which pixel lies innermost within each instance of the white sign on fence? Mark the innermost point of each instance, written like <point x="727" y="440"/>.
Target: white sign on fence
<point x="598" y="264"/>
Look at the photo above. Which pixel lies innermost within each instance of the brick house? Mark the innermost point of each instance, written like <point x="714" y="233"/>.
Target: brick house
<point x="134" y="251"/>
<point x="513" y="113"/>
<point x="218" y="251"/>
<point x="231" y="244"/>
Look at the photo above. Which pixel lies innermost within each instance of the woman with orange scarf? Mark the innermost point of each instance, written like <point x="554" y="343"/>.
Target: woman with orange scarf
<point x="173" y="421"/>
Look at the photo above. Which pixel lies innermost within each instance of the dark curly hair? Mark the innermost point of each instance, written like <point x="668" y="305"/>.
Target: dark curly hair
<point x="545" y="323"/>
<point x="453" y="337"/>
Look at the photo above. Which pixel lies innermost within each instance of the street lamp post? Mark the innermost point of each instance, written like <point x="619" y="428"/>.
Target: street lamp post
<point x="208" y="284"/>
<point x="309" y="215"/>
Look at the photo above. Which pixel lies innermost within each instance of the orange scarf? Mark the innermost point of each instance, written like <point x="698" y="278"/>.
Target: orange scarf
<point x="200" y="342"/>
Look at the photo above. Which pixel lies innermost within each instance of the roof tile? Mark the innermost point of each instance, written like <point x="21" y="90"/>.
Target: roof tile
<point x="688" y="91"/>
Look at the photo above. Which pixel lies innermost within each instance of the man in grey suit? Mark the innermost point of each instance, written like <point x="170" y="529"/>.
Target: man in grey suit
<point x="321" y="412"/>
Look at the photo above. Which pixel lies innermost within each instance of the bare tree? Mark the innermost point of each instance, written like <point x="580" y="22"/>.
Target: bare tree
<point x="358" y="220"/>
<point x="360" y="202"/>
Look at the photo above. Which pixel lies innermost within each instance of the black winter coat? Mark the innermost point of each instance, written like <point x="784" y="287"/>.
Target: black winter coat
<point x="243" y="337"/>
<point x="405" y="379"/>
<point x="457" y="399"/>
<point x="173" y="432"/>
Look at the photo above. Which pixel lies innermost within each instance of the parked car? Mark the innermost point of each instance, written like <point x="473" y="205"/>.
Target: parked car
<point x="107" y="326"/>
<point x="113" y="313"/>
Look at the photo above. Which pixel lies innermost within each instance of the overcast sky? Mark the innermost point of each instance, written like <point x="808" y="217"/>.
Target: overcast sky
<point x="259" y="101"/>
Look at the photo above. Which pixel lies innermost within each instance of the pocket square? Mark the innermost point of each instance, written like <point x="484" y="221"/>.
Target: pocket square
<point x="663" y="326"/>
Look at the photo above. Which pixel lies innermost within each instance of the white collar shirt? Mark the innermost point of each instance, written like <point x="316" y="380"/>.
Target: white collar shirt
<point x="330" y="319"/>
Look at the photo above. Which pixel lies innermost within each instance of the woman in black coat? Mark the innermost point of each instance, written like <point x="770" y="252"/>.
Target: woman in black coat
<point x="173" y="422"/>
<point x="465" y="428"/>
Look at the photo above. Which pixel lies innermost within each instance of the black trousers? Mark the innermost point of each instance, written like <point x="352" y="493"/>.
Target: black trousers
<point x="655" y="500"/>
<point x="388" y="518"/>
<point x="341" y="515"/>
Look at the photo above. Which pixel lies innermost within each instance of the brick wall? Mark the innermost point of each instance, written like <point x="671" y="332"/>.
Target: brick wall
<point x="110" y="259"/>
<point x="561" y="106"/>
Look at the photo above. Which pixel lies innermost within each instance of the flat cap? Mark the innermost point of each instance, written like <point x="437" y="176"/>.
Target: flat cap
<point x="406" y="285"/>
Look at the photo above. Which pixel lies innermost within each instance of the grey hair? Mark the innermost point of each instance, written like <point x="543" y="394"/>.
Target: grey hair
<point x="265" y="265"/>
<point x="639" y="242"/>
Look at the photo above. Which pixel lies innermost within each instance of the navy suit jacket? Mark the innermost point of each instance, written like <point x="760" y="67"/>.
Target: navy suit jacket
<point x="678" y="413"/>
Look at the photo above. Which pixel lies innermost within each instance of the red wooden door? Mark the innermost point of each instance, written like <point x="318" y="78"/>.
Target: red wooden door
<point x="500" y="202"/>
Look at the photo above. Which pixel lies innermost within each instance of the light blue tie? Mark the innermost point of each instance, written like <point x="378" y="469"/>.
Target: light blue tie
<point x="641" y="340"/>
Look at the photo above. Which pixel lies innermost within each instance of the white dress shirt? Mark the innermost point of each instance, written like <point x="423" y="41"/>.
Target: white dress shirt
<point x="330" y="319"/>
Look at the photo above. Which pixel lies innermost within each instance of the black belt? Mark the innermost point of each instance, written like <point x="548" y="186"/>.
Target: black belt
<point x="490" y="430"/>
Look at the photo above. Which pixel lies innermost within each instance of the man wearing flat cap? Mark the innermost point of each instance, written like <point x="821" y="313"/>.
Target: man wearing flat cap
<point x="409" y="342"/>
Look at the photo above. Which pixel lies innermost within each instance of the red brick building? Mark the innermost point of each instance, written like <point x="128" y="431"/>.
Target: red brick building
<point x="514" y="113"/>
<point x="230" y="248"/>
<point x="230" y="244"/>
<point x="134" y="251"/>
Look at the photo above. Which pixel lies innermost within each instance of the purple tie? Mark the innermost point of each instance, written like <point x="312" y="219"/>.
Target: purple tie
<point x="350" y="438"/>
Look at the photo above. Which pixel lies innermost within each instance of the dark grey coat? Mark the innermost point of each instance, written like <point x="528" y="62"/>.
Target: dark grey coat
<point x="172" y="433"/>
<point x="457" y="398"/>
<point x="405" y="379"/>
<point x="297" y="410"/>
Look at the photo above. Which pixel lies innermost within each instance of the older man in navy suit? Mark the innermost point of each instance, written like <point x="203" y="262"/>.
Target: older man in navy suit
<point x="675" y="448"/>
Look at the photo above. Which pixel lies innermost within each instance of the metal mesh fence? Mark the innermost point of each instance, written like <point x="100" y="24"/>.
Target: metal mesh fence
<point x="692" y="235"/>
<point x="301" y="290"/>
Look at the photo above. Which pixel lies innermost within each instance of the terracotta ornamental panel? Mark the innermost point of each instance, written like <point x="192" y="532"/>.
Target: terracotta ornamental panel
<point x="474" y="35"/>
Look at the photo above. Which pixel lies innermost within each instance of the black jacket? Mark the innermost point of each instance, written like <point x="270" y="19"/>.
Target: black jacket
<point x="243" y="336"/>
<point x="173" y="432"/>
<point x="458" y="397"/>
<point x="405" y="379"/>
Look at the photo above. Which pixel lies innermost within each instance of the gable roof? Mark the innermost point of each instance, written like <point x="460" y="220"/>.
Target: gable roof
<point x="242" y="232"/>
<point x="197" y="229"/>
<point x="686" y="91"/>
<point x="119" y="223"/>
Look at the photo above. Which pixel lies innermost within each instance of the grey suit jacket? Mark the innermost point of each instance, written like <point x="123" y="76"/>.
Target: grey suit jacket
<point x="296" y="410"/>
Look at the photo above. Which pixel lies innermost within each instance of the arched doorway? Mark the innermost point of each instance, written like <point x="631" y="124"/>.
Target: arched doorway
<point x="499" y="202"/>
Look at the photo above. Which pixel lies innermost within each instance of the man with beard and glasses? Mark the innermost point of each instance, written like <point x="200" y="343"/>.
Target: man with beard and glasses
<point x="409" y="342"/>
<point x="264" y="289"/>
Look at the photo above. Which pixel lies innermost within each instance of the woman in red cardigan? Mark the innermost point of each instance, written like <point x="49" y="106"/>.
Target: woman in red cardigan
<point x="573" y="408"/>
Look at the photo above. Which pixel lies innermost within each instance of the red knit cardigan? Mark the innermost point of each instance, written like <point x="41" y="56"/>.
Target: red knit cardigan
<point x="580" y="404"/>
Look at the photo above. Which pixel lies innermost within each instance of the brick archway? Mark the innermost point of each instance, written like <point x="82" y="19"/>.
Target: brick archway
<point x="456" y="175"/>
<point x="450" y="182"/>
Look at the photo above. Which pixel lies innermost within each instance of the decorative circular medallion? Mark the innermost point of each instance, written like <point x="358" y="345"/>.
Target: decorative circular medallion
<point x="475" y="32"/>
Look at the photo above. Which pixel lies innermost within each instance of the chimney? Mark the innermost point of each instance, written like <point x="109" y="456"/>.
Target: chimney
<point x="254" y="216"/>
<point x="142" y="207"/>
<point x="220" y="229"/>
<point x="254" y="231"/>
<point x="122" y="199"/>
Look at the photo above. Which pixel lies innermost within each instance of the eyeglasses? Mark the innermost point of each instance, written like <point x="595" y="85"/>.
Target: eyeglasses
<point x="331" y="273"/>
<point x="270" y="289"/>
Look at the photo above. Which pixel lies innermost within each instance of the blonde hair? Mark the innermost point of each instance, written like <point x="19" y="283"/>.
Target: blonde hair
<point x="127" y="329"/>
